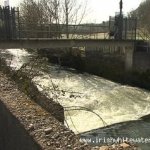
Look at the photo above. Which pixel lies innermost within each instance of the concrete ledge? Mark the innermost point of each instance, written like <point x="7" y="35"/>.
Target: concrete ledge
<point x="62" y="43"/>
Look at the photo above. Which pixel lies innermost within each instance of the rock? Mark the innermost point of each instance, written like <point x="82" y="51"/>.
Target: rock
<point x="71" y="96"/>
<point x="104" y="148"/>
<point x="68" y="146"/>
<point x="56" y="135"/>
<point x="113" y="146"/>
<point x="67" y="132"/>
<point x="48" y="130"/>
<point x="29" y="116"/>
<point x="125" y="145"/>
<point x="95" y="148"/>
<point x="2" y="85"/>
<point x="31" y="127"/>
<point x="48" y="143"/>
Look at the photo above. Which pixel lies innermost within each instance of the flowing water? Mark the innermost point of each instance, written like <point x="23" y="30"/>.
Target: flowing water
<point x="113" y="102"/>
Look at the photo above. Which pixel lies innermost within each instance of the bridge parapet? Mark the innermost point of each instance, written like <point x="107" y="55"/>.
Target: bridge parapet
<point x="63" y="43"/>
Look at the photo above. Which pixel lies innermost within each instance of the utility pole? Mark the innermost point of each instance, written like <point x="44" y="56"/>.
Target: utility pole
<point x="121" y="7"/>
<point x="120" y="28"/>
<point x="67" y="17"/>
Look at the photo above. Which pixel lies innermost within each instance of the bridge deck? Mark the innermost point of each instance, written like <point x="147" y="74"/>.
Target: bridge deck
<point x="63" y="43"/>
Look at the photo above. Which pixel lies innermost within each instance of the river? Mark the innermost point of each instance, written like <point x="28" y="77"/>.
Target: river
<point x="113" y="102"/>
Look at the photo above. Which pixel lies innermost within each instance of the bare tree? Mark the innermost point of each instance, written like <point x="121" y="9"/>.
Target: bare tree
<point x="52" y="13"/>
<point x="50" y="9"/>
<point x="40" y="15"/>
<point x="73" y="13"/>
<point x="30" y="17"/>
<point x="142" y="13"/>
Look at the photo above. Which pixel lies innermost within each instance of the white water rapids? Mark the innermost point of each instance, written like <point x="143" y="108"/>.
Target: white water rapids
<point x="112" y="101"/>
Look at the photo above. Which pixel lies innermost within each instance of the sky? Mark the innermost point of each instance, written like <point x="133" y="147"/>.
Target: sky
<point x="99" y="10"/>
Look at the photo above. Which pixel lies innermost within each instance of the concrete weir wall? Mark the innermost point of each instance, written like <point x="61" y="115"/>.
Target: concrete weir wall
<point x="29" y="88"/>
<point x="13" y="135"/>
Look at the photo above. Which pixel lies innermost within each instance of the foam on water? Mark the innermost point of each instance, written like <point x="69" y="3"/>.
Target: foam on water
<point x="113" y="102"/>
<point x="19" y="57"/>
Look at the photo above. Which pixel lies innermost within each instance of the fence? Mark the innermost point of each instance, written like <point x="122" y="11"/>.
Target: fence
<point x="13" y="26"/>
<point x="8" y="22"/>
<point x="61" y="31"/>
<point x="123" y="27"/>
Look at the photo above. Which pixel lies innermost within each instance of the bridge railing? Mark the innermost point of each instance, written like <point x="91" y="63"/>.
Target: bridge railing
<point x="62" y="31"/>
<point x="13" y="26"/>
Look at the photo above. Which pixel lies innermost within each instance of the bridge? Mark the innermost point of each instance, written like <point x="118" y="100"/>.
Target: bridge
<point x="118" y="35"/>
<point x="64" y="43"/>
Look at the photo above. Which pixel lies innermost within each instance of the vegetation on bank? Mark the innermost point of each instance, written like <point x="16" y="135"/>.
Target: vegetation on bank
<point x="142" y="14"/>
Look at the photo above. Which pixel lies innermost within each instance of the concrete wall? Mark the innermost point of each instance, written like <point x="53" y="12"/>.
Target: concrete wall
<point x="110" y="59"/>
<point x="141" y="61"/>
<point x="13" y="135"/>
<point x="105" y="60"/>
<point x="62" y="43"/>
<point x="54" y="108"/>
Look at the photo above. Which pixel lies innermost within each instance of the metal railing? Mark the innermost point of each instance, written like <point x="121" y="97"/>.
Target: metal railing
<point x="13" y="26"/>
<point x="56" y="31"/>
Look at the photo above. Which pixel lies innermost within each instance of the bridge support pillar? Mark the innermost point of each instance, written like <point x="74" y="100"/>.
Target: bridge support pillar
<point x="129" y="58"/>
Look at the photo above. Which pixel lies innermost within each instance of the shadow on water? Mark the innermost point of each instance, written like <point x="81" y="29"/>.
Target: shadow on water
<point x="136" y="132"/>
